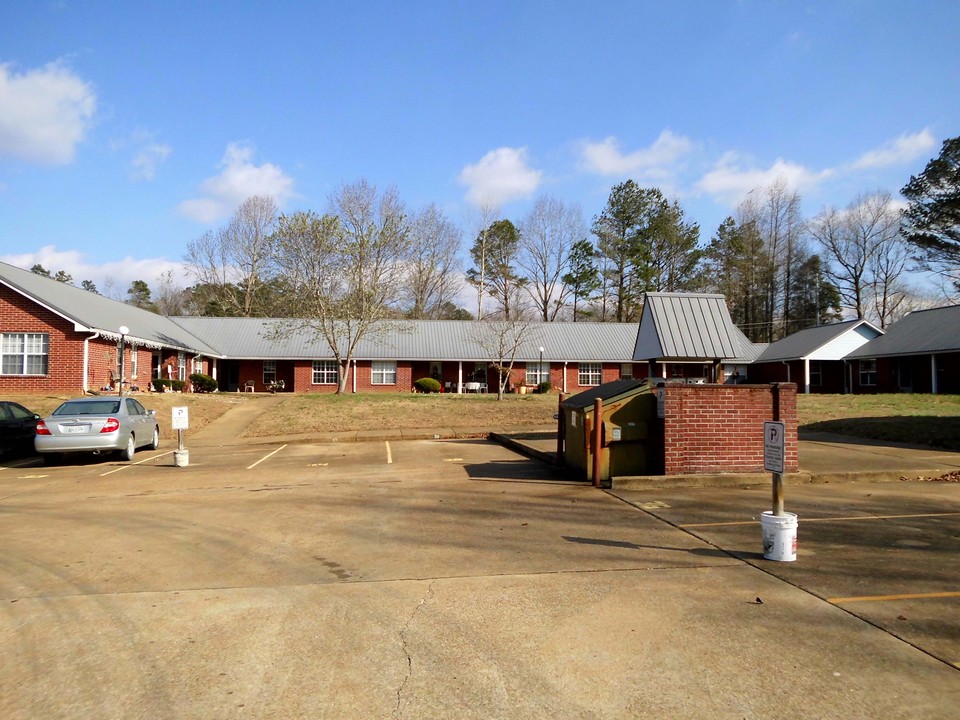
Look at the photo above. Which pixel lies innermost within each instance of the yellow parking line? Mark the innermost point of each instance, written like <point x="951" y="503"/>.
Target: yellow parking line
<point x="826" y="519"/>
<point x="139" y="462"/>
<point x="389" y="453"/>
<point x="266" y="457"/>
<point x="885" y="598"/>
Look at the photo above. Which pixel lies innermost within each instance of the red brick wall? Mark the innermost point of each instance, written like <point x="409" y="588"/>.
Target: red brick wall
<point x="719" y="428"/>
<point x="65" y="359"/>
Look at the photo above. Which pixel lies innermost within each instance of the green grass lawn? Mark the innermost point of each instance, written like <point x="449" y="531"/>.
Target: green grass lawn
<point x="932" y="420"/>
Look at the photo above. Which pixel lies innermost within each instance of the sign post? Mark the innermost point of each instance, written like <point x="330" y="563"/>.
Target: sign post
<point x="180" y="422"/>
<point x="773" y="454"/>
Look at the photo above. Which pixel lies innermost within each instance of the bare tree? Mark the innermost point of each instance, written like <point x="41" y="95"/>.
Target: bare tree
<point x="344" y="269"/>
<point x="775" y="213"/>
<point x="502" y="340"/>
<point x="171" y="299"/>
<point x="547" y="235"/>
<point x="488" y="213"/>
<point x="234" y="262"/>
<point x="433" y="278"/>
<point x="865" y="253"/>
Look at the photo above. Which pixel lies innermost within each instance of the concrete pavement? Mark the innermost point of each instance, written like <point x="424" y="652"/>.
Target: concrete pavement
<point x="454" y="579"/>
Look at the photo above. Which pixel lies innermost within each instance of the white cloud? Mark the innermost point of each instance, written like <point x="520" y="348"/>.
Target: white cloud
<point x="240" y="179"/>
<point x="606" y="157"/>
<point x="501" y="175"/>
<point x="148" y="158"/>
<point x="730" y="181"/>
<point x="904" y="149"/>
<point x="112" y="278"/>
<point x="44" y="113"/>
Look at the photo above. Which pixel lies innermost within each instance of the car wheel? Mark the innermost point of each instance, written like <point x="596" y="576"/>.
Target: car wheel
<point x="131" y="448"/>
<point x="156" y="439"/>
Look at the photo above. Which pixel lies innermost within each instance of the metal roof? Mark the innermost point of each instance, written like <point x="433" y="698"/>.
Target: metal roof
<point x="255" y="338"/>
<point x="807" y="342"/>
<point x="687" y="326"/>
<point x="609" y="391"/>
<point x="922" y="331"/>
<point x="90" y="312"/>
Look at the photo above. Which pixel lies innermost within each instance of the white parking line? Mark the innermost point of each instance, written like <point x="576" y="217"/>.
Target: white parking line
<point x="266" y="457"/>
<point x="389" y="454"/>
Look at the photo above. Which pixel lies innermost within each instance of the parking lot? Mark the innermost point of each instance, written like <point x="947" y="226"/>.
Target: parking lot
<point x="457" y="579"/>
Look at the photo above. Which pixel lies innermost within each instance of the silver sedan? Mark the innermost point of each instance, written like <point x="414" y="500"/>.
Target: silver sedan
<point x="97" y="425"/>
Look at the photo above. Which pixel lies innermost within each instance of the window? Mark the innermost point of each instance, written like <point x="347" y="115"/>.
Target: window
<point x="24" y="353"/>
<point x="383" y="372"/>
<point x="181" y="366"/>
<point x="325" y="372"/>
<point x="816" y="374"/>
<point x="626" y="370"/>
<point x="269" y="372"/>
<point x="538" y="373"/>
<point x="868" y="372"/>
<point x="134" y="365"/>
<point x="589" y="373"/>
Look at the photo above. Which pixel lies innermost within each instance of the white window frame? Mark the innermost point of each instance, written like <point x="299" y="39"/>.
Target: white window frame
<point x="868" y="373"/>
<point x="587" y="372"/>
<point x="626" y="370"/>
<point x="537" y="372"/>
<point x="32" y="349"/>
<point x="323" y="370"/>
<point x="383" y="372"/>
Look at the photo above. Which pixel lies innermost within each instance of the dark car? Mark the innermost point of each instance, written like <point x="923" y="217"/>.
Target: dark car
<point x="17" y="428"/>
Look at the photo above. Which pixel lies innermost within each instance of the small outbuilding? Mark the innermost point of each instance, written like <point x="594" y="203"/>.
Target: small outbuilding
<point x="629" y="436"/>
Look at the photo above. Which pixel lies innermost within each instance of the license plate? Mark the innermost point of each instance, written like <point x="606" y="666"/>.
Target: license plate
<point x="68" y="429"/>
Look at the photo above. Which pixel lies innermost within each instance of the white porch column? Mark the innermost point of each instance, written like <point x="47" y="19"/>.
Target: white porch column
<point x="806" y="376"/>
<point x="459" y="377"/>
<point x="564" y="377"/>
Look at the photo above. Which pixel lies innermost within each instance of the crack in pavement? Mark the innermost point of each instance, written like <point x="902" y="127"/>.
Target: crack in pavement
<point x="397" y="710"/>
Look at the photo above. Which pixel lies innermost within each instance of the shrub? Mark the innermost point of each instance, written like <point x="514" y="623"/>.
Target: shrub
<point x="177" y="385"/>
<point x="427" y="385"/>
<point x="544" y="387"/>
<point x="203" y="383"/>
<point x="159" y="384"/>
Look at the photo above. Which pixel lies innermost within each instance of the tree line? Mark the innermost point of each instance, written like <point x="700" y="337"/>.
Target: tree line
<point x="369" y="257"/>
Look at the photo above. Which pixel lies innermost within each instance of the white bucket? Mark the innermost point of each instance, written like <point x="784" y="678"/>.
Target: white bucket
<point x="779" y="536"/>
<point x="181" y="458"/>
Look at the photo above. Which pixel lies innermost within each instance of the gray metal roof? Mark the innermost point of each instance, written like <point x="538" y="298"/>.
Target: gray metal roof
<point x="90" y="312"/>
<point x="687" y="326"/>
<point x="254" y="338"/>
<point x="922" y="331"/>
<point x="806" y="342"/>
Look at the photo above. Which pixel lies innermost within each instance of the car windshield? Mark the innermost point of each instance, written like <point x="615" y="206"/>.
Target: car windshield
<point x="89" y="407"/>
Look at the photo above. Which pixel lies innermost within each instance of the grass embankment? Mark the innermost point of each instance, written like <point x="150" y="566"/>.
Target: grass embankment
<point x="332" y="413"/>
<point x="932" y="420"/>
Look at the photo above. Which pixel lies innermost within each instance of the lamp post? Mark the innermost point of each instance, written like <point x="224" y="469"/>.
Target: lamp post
<point x="123" y="336"/>
<point x="541" y="367"/>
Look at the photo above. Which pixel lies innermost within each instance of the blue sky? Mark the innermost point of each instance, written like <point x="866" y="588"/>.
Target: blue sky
<point x="129" y="129"/>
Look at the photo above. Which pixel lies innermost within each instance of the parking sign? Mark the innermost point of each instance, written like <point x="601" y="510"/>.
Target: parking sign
<point x="773" y="446"/>
<point x="181" y="418"/>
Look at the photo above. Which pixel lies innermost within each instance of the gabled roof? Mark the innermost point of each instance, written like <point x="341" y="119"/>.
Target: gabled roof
<point x="256" y="338"/>
<point x="90" y="312"/>
<point x="922" y="331"/>
<point x="688" y="326"/>
<point x="608" y="392"/>
<point x="824" y="342"/>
